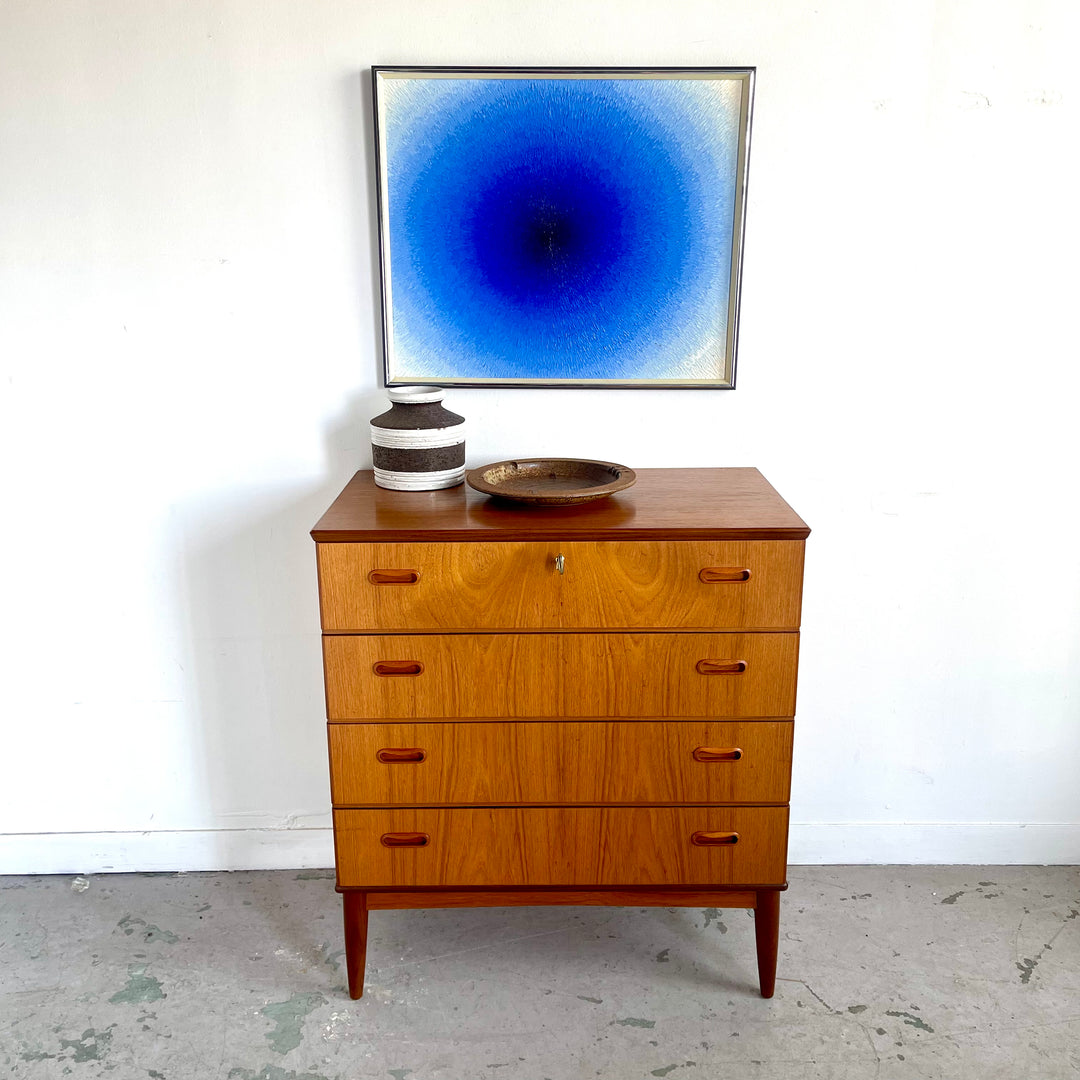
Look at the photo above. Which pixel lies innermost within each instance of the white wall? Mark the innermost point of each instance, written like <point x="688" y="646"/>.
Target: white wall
<point x="189" y="355"/>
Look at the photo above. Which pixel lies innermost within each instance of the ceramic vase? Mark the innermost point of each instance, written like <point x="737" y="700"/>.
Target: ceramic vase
<point x="417" y="445"/>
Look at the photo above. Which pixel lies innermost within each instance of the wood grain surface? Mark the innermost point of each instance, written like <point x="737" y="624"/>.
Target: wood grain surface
<point x="668" y="504"/>
<point x="605" y="585"/>
<point x="559" y="675"/>
<point x="562" y="705"/>
<point x="538" y="846"/>
<point x="642" y="761"/>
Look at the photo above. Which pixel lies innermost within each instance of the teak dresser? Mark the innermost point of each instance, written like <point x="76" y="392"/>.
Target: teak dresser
<point x="563" y="705"/>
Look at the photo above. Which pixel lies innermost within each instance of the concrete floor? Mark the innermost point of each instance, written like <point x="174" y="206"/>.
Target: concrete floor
<point x="884" y="972"/>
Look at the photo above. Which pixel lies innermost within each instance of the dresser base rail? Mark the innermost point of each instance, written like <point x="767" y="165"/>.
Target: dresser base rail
<point x="765" y="902"/>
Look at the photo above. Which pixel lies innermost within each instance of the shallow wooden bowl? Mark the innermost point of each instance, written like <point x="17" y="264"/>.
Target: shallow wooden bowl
<point x="551" y="481"/>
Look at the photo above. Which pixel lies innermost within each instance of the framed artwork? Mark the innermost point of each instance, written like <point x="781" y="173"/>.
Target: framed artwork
<point x="561" y="227"/>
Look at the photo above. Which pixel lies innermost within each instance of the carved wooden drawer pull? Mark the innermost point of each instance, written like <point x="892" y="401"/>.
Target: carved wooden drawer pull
<point x="720" y="667"/>
<point x="716" y="753"/>
<point x="713" y="575"/>
<point x="405" y="839"/>
<point x="397" y="667"/>
<point x="394" y="577"/>
<point x="400" y="755"/>
<point x="714" y="839"/>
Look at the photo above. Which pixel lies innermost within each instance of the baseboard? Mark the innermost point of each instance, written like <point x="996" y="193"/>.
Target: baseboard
<point x="933" y="844"/>
<point x="291" y="849"/>
<point x="166" y="850"/>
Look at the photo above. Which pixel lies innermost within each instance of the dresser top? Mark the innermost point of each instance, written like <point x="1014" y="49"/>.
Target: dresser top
<point x="670" y="504"/>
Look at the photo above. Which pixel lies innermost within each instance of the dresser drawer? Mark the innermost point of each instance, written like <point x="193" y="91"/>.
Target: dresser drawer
<point x="539" y="846"/>
<point x="561" y="675"/>
<point x="630" y="761"/>
<point x="604" y="585"/>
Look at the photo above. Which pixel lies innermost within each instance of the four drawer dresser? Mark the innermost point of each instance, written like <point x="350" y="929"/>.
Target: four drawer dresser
<point x="587" y="704"/>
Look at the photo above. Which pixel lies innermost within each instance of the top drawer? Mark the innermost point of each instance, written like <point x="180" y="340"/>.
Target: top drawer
<point x="750" y="584"/>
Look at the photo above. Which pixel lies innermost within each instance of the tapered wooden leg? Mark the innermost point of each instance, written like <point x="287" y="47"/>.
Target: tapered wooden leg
<point x="767" y="932"/>
<point x="356" y="911"/>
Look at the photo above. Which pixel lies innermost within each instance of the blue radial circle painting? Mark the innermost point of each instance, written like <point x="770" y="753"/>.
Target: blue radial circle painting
<point x="555" y="227"/>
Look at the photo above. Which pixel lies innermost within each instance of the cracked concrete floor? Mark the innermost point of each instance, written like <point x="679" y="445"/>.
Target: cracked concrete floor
<point x="888" y="972"/>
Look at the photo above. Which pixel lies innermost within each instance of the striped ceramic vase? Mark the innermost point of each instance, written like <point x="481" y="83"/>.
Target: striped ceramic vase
<point x="417" y="445"/>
